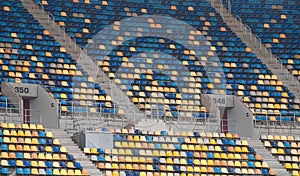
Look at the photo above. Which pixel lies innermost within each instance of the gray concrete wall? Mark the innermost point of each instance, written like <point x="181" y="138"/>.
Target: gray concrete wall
<point x="240" y="119"/>
<point x="25" y="90"/>
<point x="99" y="140"/>
<point x="44" y="109"/>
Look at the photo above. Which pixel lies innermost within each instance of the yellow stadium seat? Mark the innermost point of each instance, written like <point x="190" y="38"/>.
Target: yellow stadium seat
<point x="34" y="171"/>
<point x="288" y="166"/>
<point x="203" y="169"/>
<point x="56" y="172"/>
<point x="295" y="166"/>
<point x="71" y="172"/>
<point x="78" y="172"/>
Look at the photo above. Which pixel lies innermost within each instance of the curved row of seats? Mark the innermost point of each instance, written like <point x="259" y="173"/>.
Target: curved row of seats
<point x="277" y="24"/>
<point x="138" y="152"/>
<point x="285" y="149"/>
<point x="141" y="69"/>
<point x="30" y="150"/>
<point x="29" y="54"/>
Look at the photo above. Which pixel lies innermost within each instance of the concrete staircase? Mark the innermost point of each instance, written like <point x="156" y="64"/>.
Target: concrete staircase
<point x="132" y="113"/>
<point x="254" y="43"/>
<point x="73" y="149"/>
<point x="267" y="157"/>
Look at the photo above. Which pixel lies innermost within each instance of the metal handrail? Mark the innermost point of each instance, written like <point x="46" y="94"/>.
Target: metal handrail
<point x="249" y="30"/>
<point x="75" y="44"/>
<point x="50" y="16"/>
<point x="239" y="19"/>
<point x="39" y="4"/>
<point x="84" y="53"/>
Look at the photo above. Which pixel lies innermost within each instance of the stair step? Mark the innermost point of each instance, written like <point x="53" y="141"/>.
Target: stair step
<point x="73" y="149"/>
<point x="273" y="163"/>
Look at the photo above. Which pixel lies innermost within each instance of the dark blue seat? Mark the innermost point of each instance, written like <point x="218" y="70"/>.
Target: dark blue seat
<point x="274" y="144"/>
<point x="265" y="171"/>
<point x="287" y="151"/>
<point x="12" y="163"/>
<point x="70" y="157"/>
<point x="156" y="167"/>
<point x="137" y="132"/>
<point x="41" y="148"/>
<point x="77" y="165"/>
<point x="180" y="140"/>
<point x="99" y="150"/>
<point x="190" y="154"/>
<point x="155" y="160"/>
<point x="49" y="164"/>
<point x="196" y="134"/>
<point x="49" y="141"/>
<point x="129" y="173"/>
<point x="190" y="161"/>
<point x="176" y="168"/>
<point x="225" y="141"/>
<point x="230" y="170"/>
<point x="26" y="163"/>
<point x="56" y="149"/>
<point x="63" y="164"/>
<point x="224" y="148"/>
<point x="251" y="150"/>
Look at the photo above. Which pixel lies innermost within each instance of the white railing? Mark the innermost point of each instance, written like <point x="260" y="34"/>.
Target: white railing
<point x="267" y="122"/>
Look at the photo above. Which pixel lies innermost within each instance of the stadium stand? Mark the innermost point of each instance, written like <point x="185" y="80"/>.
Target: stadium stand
<point x="138" y="152"/>
<point x="30" y="150"/>
<point x="30" y="55"/>
<point x="285" y="149"/>
<point x="148" y="69"/>
<point x="246" y="75"/>
<point x="276" y="23"/>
